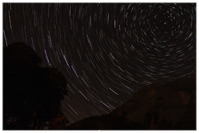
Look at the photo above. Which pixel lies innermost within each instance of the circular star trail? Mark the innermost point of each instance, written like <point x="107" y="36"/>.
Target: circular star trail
<point x="106" y="51"/>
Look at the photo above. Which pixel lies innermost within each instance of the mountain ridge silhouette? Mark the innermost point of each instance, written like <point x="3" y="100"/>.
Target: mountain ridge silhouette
<point x="158" y="106"/>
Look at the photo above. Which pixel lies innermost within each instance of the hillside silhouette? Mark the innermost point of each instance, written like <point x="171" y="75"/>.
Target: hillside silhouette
<point x="168" y="106"/>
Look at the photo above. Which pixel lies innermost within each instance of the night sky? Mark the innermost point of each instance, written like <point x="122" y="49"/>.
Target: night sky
<point x="106" y="51"/>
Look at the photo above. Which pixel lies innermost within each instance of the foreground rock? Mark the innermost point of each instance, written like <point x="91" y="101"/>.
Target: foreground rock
<point x="157" y="106"/>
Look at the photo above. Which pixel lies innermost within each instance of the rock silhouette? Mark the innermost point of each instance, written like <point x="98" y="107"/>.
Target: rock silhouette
<point x="168" y="106"/>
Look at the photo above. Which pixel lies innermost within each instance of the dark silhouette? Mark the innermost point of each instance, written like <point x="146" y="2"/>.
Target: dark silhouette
<point x="168" y="106"/>
<point x="31" y="93"/>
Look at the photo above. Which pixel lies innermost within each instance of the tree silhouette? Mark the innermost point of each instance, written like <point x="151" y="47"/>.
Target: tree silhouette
<point x="31" y="93"/>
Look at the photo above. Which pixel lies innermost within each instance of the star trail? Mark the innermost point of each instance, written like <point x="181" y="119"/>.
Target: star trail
<point x="106" y="51"/>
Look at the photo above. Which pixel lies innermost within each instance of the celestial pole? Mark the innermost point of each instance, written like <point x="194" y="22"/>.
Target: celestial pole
<point x="106" y="51"/>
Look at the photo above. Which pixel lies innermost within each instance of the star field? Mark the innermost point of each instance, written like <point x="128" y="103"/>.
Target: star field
<point x="106" y="51"/>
